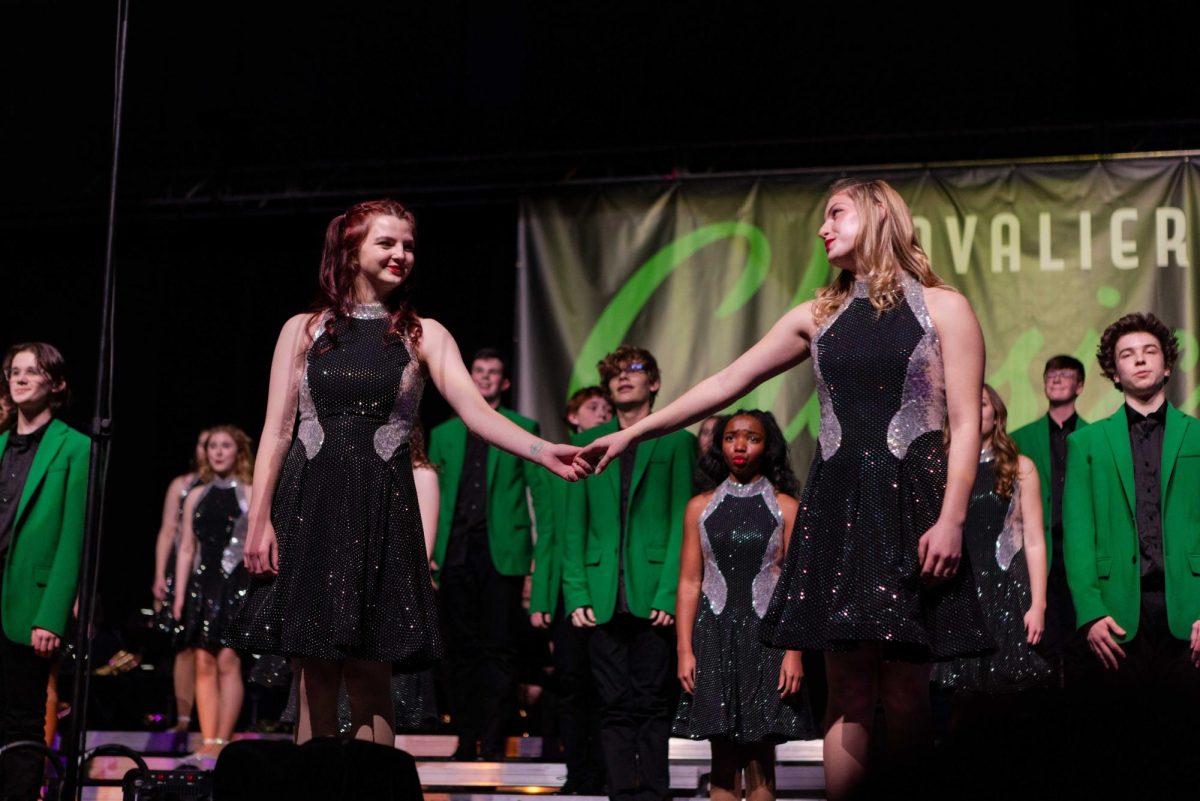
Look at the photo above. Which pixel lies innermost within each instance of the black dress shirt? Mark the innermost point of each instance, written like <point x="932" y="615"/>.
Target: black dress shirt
<point x="14" y="469"/>
<point x="468" y="529"/>
<point x="1058" y="469"/>
<point x="1146" y="444"/>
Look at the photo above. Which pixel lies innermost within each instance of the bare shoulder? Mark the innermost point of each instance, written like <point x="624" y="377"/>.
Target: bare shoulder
<point x="434" y="337"/>
<point x="787" y="503"/>
<point x="944" y="300"/>
<point x="301" y="329"/>
<point x="697" y="504"/>
<point x="1025" y="468"/>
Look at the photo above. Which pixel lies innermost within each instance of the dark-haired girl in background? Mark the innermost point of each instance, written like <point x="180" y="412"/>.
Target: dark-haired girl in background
<point x="335" y="531"/>
<point x="740" y="694"/>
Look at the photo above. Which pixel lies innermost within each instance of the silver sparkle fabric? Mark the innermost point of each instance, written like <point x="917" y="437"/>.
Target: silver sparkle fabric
<point x="394" y="433"/>
<point x="923" y="403"/>
<point x="309" y="431"/>
<point x="830" y="433"/>
<point x="231" y="556"/>
<point x="1012" y="535"/>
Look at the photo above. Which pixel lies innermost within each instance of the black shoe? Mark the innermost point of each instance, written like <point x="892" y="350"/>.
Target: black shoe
<point x="570" y="787"/>
<point x="465" y="753"/>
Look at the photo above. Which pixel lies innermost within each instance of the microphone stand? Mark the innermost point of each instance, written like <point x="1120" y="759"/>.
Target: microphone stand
<point x="75" y="744"/>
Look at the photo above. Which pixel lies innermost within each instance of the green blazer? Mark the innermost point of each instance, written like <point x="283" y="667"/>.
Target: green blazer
<point x="548" y="554"/>
<point x="1100" y="540"/>
<point x="41" y="571"/>
<point x="509" y="524"/>
<point x="660" y="489"/>
<point x="1033" y="440"/>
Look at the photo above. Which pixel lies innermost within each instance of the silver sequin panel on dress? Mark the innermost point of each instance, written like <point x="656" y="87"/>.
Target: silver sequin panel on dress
<point x="235" y="549"/>
<point x="923" y="402"/>
<point x="394" y="433"/>
<point x="713" y="584"/>
<point x="309" y="432"/>
<point x="1012" y="536"/>
<point x="830" y="435"/>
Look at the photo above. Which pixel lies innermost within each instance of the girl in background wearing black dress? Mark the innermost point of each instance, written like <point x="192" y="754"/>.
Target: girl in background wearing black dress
<point x="335" y="525"/>
<point x="212" y="581"/>
<point x="992" y="719"/>
<point x="872" y="577"/>
<point x="739" y="693"/>
<point x="163" y="589"/>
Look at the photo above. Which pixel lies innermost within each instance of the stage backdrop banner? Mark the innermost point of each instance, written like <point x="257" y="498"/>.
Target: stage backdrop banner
<point x="1048" y="254"/>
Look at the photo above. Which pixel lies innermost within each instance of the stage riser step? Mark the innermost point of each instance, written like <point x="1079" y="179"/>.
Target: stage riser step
<point x="428" y="746"/>
<point x="114" y="794"/>
<point x="684" y="775"/>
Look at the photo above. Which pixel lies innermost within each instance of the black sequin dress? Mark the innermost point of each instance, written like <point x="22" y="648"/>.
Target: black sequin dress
<point x="218" y="583"/>
<point x="164" y="619"/>
<point x="875" y="487"/>
<point x="994" y="537"/>
<point x="353" y="578"/>
<point x="737" y="676"/>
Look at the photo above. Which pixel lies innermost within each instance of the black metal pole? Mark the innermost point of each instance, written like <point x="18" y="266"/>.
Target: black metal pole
<point x="75" y="745"/>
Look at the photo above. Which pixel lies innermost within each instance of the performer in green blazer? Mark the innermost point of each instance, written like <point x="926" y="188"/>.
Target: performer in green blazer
<point x="578" y="706"/>
<point x="1045" y="442"/>
<point x="481" y="558"/>
<point x="43" y="493"/>
<point x="620" y="573"/>
<point x="1132" y="551"/>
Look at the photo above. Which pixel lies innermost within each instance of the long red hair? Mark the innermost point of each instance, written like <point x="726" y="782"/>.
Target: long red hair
<point x="339" y="266"/>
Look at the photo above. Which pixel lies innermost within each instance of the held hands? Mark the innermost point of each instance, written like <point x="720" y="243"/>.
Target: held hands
<point x="44" y="642"/>
<point x="262" y="551"/>
<point x="603" y="450"/>
<point x="563" y="461"/>
<point x="1035" y="625"/>
<point x="1104" y="646"/>
<point x="939" y="550"/>
<point x="687" y="670"/>
<point x="791" y="673"/>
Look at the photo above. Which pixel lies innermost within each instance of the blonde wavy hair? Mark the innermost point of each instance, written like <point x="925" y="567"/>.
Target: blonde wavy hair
<point x="887" y="244"/>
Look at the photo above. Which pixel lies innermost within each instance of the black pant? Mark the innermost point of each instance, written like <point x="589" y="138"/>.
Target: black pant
<point x="631" y="660"/>
<point x="481" y="610"/>
<point x="23" y="678"/>
<point x="1144" y="717"/>
<point x="578" y="708"/>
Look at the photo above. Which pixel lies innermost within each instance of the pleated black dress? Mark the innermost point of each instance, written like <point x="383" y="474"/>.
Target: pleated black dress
<point x="875" y="487"/>
<point x="353" y="578"/>
<point x="737" y="676"/>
